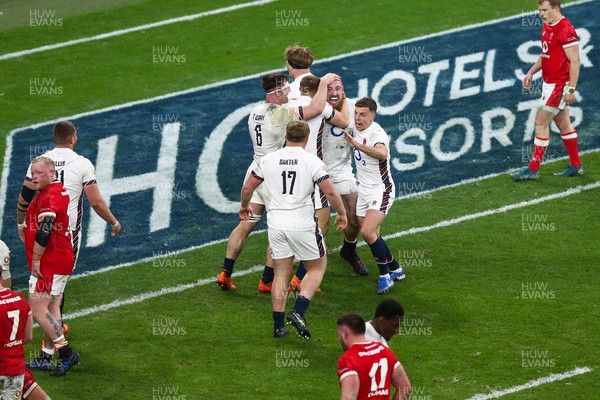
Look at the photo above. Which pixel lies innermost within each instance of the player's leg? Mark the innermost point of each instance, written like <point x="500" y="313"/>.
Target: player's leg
<point x="266" y="281"/>
<point x="348" y="250"/>
<point x="570" y="140"/>
<point x="39" y="302"/>
<point x="283" y="259"/>
<point x="235" y="244"/>
<point x="552" y="103"/>
<point x="67" y="357"/>
<point x="31" y="390"/>
<point x="369" y="231"/>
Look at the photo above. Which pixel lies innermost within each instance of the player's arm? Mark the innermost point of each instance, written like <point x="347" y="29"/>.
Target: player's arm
<point x="101" y="208"/>
<point x="401" y="382"/>
<point x="27" y="193"/>
<point x="379" y="151"/>
<point x="250" y="185"/>
<point x="350" y="385"/>
<point x="532" y="71"/>
<point x="42" y="236"/>
<point x="317" y="104"/>
<point x="572" y="53"/>
<point x="326" y="185"/>
<point x="28" y="337"/>
<point x="340" y="118"/>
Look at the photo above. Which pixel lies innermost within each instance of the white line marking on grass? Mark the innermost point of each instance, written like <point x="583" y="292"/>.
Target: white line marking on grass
<point x="531" y="384"/>
<point x="527" y="203"/>
<point x="157" y="293"/>
<point x="179" y="288"/>
<point x="119" y="32"/>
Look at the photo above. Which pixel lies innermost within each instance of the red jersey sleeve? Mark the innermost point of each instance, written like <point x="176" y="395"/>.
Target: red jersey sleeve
<point x="345" y="367"/>
<point x="49" y="206"/>
<point x="568" y="37"/>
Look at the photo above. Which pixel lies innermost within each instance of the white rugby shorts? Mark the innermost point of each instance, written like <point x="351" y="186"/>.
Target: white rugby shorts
<point x="304" y="245"/>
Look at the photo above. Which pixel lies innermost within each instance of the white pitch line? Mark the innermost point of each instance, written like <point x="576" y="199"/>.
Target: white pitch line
<point x="531" y="384"/>
<point x="179" y="288"/>
<point x="486" y="213"/>
<point x="119" y="32"/>
<point x="157" y="293"/>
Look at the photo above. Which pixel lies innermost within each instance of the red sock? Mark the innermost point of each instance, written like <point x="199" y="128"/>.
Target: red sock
<point x="570" y="141"/>
<point x="539" y="148"/>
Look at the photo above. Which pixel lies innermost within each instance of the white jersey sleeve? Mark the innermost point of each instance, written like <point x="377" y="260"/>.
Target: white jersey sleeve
<point x="5" y="260"/>
<point x="371" y="172"/>
<point x="75" y="172"/>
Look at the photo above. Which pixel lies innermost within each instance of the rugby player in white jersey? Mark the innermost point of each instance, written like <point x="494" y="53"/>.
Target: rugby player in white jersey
<point x="266" y="125"/>
<point x="289" y="175"/>
<point x="308" y="88"/>
<point x="338" y="155"/>
<point x="298" y="61"/>
<point x="5" y="264"/>
<point x="376" y="189"/>
<point x="78" y="176"/>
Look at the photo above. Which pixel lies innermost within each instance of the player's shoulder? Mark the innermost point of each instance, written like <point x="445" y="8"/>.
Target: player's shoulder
<point x="3" y="248"/>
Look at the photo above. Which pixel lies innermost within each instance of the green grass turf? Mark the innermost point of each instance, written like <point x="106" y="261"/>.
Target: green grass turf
<point x="120" y="69"/>
<point x="467" y="323"/>
<point x="469" y="299"/>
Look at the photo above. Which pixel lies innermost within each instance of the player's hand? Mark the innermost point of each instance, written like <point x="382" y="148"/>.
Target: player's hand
<point x="569" y="99"/>
<point x="351" y="141"/>
<point x="527" y="81"/>
<point x="21" y="233"/>
<point x="116" y="228"/>
<point x="35" y="269"/>
<point x="341" y="222"/>
<point x="328" y="78"/>
<point x="245" y="213"/>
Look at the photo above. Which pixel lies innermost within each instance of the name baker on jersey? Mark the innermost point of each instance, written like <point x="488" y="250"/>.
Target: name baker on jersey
<point x="291" y="161"/>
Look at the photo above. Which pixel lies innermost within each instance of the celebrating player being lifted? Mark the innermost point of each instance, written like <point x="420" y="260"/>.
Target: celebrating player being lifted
<point x="266" y="124"/>
<point x="289" y="176"/>
<point x="376" y="189"/>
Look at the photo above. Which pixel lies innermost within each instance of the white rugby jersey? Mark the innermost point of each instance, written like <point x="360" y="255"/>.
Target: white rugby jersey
<point x="294" y="93"/>
<point x="267" y="123"/>
<point x="316" y="125"/>
<point x="291" y="174"/>
<point x="372" y="335"/>
<point x="4" y="256"/>
<point x="337" y="153"/>
<point x="75" y="172"/>
<point x="372" y="173"/>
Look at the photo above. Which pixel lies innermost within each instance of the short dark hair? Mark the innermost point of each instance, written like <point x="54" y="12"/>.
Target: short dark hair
<point x="309" y="85"/>
<point x="62" y="132"/>
<point x="389" y="308"/>
<point x="355" y="322"/>
<point x="297" y="132"/>
<point x="273" y="81"/>
<point x="367" y="102"/>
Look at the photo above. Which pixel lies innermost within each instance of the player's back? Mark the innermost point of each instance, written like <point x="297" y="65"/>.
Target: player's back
<point x="266" y="126"/>
<point x="74" y="171"/>
<point x="290" y="175"/>
<point x="374" y="364"/>
<point x="14" y="312"/>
